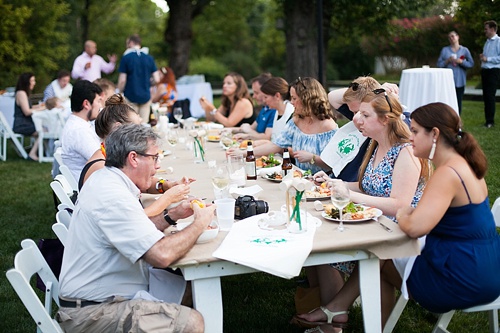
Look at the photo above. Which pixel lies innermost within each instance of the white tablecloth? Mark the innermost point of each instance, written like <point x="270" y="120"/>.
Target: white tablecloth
<point x="421" y="86"/>
<point x="193" y="92"/>
<point x="7" y="108"/>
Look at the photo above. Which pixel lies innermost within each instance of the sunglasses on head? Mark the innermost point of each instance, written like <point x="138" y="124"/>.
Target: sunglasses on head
<point x="299" y="80"/>
<point x="382" y="90"/>
<point x="354" y="86"/>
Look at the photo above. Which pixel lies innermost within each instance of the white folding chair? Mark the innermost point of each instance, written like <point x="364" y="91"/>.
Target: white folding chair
<point x="63" y="191"/>
<point x="445" y="318"/>
<point x="28" y="262"/>
<point x="61" y="232"/>
<point x="64" y="217"/>
<point x="7" y="133"/>
<point x="66" y="172"/>
<point x="48" y="126"/>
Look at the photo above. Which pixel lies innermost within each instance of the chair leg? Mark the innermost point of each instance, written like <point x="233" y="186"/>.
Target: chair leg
<point x="395" y="314"/>
<point x="493" y="319"/>
<point x="443" y="321"/>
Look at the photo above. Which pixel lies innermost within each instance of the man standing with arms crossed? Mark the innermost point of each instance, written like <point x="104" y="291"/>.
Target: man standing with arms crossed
<point x="490" y="71"/>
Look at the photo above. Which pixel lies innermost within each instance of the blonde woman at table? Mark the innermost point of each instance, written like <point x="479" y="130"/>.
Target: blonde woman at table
<point x="307" y="133"/>
<point x="23" y="123"/>
<point x="391" y="177"/>
<point x="459" y="266"/>
<point x="236" y="106"/>
<point x="115" y="113"/>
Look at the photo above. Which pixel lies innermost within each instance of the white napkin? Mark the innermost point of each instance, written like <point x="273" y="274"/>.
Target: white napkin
<point x="343" y="147"/>
<point x="252" y="190"/>
<point x="268" y="171"/>
<point x="276" y="252"/>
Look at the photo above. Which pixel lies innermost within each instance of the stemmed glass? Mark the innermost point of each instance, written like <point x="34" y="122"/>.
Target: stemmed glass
<point x="220" y="178"/>
<point x="178" y="114"/>
<point x="172" y="138"/>
<point x="340" y="198"/>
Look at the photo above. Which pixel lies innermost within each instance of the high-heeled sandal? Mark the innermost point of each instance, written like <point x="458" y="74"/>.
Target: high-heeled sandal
<point x="317" y="329"/>
<point x="329" y="319"/>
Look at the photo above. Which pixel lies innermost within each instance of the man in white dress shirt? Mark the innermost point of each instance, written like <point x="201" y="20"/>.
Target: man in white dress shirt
<point x="79" y="140"/>
<point x="112" y="243"/>
<point x="89" y="65"/>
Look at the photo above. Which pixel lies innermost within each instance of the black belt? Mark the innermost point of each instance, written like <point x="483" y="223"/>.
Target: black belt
<point x="74" y="304"/>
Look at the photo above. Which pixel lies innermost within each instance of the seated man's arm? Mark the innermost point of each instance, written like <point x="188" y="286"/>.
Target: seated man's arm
<point x="172" y="247"/>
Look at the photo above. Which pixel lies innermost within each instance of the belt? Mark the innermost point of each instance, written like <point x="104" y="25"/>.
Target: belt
<point x="76" y="304"/>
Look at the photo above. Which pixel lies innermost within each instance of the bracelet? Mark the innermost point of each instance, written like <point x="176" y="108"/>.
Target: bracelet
<point x="169" y="219"/>
<point x="213" y="112"/>
<point x="312" y="159"/>
<point x="159" y="186"/>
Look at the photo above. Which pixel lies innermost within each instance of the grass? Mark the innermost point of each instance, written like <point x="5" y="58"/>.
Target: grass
<point x="252" y="302"/>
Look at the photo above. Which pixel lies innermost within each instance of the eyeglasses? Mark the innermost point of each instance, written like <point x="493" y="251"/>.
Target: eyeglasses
<point x="154" y="156"/>
<point x="382" y="90"/>
<point x="299" y="80"/>
<point x="354" y="86"/>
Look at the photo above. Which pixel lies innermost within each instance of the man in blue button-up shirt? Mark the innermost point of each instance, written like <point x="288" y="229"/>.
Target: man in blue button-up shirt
<point x="490" y="70"/>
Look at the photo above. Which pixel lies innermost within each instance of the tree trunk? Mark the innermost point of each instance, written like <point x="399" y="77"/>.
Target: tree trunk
<point x="179" y="35"/>
<point x="301" y="39"/>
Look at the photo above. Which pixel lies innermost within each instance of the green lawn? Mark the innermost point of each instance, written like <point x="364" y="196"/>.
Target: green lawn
<point x="252" y="302"/>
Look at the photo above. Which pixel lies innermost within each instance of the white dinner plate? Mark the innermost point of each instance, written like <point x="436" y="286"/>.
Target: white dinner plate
<point x="377" y="213"/>
<point x="315" y="196"/>
<point x="265" y="176"/>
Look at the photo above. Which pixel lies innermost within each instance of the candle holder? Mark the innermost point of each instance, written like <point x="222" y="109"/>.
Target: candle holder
<point x="296" y="211"/>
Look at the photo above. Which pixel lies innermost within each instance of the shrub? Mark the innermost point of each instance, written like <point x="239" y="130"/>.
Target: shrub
<point x="213" y="70"/>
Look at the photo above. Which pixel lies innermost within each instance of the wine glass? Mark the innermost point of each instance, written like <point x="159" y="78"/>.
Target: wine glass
<point x="178" y="114"/>
<point x="340" y="198"/>
<point x="220" y="178"/>
<point x="172" y="138"/>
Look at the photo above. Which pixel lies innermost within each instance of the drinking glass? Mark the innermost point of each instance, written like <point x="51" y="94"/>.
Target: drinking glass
<point x="178" y="114"/>
<point x="340" y="198"/>
<point x="220" y="177"/>
<point x="172" y="138"/>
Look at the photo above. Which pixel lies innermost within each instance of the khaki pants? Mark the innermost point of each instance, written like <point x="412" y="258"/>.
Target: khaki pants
<point x="122" y="315"/>
<point x="143" y="110"/>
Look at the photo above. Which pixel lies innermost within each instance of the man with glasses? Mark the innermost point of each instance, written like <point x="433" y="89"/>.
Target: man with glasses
<point x="112" y="243"/>
<point x="490" y="71"/>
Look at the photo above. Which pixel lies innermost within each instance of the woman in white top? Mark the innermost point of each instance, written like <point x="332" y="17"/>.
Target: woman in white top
<point x="276" y="95"/>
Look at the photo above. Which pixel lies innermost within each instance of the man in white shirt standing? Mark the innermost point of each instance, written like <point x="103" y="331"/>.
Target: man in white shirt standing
<point x="89" y="65"/>
<point x="79" y="140"/>
<point x="490" y="71"/>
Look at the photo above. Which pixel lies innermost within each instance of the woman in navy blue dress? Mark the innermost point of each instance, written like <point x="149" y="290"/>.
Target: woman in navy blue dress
<point x="459" y="266"/>
<point x="23" y="123"/>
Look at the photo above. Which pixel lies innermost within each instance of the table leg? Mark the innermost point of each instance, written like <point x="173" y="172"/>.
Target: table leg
<point x="369" y="284"/>
<point x="207" y="299"/>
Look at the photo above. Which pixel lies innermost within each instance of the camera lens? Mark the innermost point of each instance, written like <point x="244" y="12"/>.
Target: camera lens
<point x="262" y="206"/>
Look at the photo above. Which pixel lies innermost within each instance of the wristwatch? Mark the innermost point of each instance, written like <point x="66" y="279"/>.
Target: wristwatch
<point x="312" y="159"/>
<point x="213" y="112"/>
<point x="169" y="219"/>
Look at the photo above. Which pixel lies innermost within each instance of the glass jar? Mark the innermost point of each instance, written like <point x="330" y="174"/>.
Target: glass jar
<point x="296" y="211"/>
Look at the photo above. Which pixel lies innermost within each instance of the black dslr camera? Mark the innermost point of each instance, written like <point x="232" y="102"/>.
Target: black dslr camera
<point x="247" y="206"/>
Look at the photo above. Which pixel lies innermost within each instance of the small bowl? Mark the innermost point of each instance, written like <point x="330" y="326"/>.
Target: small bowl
<point x="207" y="235"/>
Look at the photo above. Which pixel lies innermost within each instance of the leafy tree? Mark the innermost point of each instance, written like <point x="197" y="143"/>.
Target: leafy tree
<point x="32" y="39"/>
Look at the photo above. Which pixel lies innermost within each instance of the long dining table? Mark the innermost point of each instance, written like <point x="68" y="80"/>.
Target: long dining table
<point x="367" y="243"/>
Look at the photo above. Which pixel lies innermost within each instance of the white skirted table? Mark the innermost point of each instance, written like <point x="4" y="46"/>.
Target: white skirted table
<point x="421" y="86"/>
<point x="193" y="92"/>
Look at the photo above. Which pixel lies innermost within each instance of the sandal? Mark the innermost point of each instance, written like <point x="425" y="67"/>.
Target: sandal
<point x="329" y="319"/>
<point x="317" y="329"/>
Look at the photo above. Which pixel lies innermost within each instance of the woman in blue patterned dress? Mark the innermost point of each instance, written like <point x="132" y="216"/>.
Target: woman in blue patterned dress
<point x="309" y="131"/>
<point x="391" y="177"/>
